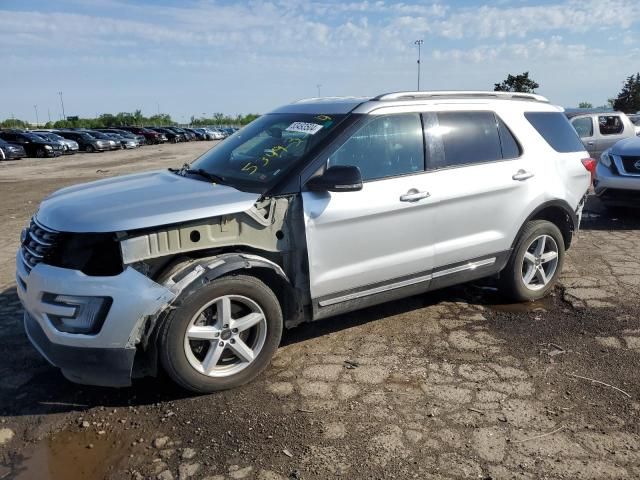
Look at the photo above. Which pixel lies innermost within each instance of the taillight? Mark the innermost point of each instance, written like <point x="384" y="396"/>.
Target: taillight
<point x="590" y="165"/>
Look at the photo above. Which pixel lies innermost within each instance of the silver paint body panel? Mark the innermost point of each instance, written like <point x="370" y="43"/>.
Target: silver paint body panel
<point x="138" y="201"/>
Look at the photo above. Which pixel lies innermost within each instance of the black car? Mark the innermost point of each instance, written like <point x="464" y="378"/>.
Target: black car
<point x="33" y="145"/>
<point x="8" y="151"/>
<point x="199" y="135"/>
<point x="171" y="136"/>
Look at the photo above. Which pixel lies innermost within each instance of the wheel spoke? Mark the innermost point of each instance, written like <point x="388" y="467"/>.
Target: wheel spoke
<point x="541" y="275"/>
<point x="530" y="258"/>
<point x="212" y="357"/>
<point x="241" y="349"/>
<point x="542" y="242"/>
<point x="223" y="306"/>
<point x="247" y="321"/>
<point x="531" y="272"/>
<point x="200" y="332"/>
<point x="549" y="256"/>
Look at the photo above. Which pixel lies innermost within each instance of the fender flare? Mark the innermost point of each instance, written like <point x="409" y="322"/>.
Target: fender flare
<point x="563" y="205"/>
<point x="204" y="270"/>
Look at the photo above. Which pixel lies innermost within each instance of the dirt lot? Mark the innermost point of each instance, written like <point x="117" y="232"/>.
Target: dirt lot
<point x="453" y="384"/>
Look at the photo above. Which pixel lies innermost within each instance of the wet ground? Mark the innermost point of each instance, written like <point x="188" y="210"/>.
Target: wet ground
<point x="453" y="384"/>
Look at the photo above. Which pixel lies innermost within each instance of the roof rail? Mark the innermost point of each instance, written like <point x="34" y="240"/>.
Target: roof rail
<point x="460" y="94"/>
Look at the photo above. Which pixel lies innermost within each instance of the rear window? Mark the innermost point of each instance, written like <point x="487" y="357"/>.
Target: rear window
<point x="556" y="130"/>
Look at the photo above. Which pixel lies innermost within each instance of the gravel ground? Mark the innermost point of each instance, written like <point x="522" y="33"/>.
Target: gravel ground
<point x="452" y="384"/>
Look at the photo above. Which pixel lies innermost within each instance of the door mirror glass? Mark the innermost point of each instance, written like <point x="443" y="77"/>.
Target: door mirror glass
<point x="339" y="178"/>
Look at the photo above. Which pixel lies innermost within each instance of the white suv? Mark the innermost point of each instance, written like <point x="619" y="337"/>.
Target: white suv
<point x="318" y="208"/>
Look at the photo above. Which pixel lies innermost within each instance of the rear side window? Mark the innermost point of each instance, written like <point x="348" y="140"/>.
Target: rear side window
<point x="610" y="124"/>
<point x="455" y="139"/>
<point x="584" y="126"/>
<point x="556" y="130"/>
<point x="510" y="146"/>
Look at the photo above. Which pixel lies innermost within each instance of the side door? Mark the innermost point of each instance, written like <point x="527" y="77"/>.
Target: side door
<point x="381" y="237"/>
<point x="586" y="132"/>
<point x="611" y="129"/>
<point x="483" y="182"/>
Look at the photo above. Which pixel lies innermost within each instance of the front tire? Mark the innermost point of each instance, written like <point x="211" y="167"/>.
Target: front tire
<point x="535" y="264"/>
<point x="41" y="153"/>
<point x="89" y="149"/>
<point x="221" y="336"/>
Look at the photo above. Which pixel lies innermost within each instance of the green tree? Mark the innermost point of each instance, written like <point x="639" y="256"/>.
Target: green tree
<point x="585" y="105"/>
<point x="518" y="83"/>
<point x="628" y="100"/>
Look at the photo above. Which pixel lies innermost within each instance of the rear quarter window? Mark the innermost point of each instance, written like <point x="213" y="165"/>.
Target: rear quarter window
<point x="555" y="128"/>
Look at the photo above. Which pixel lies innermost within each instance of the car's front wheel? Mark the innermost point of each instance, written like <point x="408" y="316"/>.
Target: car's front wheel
<point x="536" y="262"/>
<point x="89" y="149"/>
<point x="221" y="336"/>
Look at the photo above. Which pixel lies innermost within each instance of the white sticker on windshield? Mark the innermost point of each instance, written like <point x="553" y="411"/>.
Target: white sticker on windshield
<point x="303" y="127"/>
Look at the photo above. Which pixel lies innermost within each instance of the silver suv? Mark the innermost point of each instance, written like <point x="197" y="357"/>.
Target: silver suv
<point x="320" y="207"/>
<point x="601" y="130"/>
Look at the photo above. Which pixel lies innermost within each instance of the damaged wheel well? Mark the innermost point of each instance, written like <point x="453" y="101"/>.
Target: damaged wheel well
<point x="189" y="276"/>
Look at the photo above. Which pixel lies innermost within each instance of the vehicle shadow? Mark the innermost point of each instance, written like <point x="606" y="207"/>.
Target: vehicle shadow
<point x="31" y="386"/>
<point x="598" y="217"/>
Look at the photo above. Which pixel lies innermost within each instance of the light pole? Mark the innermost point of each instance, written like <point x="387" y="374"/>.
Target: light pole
<point x="49" y="114"/>
<point x="319" y="85"/>
<point x="419" y="44"/>
<point x="35" y="107"/>
<point x="64" y="115"/>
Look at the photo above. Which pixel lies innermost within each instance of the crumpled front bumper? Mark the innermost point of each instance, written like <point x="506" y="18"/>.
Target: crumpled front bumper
<point x="105" y="358"/>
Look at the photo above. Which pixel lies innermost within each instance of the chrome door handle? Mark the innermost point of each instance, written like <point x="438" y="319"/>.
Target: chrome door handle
<point x="414" y="195"/>
<point x="591" y="144"/>
<point x="523" y="175"/>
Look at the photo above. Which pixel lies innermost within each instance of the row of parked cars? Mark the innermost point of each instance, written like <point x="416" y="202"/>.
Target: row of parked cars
<point x="15" y="143"/>
<point x="614" y="139"/>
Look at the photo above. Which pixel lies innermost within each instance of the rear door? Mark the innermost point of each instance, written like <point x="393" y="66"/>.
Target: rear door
<point x="482" y="183"/>
<point x="381" y="237"/>
<point x="587" y="133"/>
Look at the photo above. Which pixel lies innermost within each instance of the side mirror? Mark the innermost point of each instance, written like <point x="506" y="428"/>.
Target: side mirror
<point x="339" y="178"/>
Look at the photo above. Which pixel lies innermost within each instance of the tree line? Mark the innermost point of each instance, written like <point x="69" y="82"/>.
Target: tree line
<point x="627" y="101"/>
<point x="135" y="118"/>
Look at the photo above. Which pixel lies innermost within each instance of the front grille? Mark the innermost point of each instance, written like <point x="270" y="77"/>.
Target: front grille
<point x="38" y="244"/>
<point x="631" y="164"/>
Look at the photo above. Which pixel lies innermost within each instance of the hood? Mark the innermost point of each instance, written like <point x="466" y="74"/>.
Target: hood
<point x="627" y="147"/>
<point x="137" y="201"/>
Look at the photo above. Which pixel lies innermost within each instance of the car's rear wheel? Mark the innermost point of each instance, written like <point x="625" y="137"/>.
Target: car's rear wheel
<point x="222" y="336"/>
<point x="536" y="262"/>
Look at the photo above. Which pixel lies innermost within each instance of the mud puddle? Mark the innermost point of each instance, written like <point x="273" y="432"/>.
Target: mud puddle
<point x="70" y="455"/>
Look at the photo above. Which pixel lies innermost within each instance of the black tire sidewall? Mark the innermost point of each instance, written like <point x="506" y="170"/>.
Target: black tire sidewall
<point x="511" y="278"/>
<point x="171" y="343"/>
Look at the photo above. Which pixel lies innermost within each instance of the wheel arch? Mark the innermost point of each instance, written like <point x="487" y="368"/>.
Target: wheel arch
<point x="558" y="212"/>
<point x="186" y="276"/>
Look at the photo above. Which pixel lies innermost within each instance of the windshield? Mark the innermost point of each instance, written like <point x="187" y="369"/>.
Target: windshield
<point x="33" y="137"/>
<point x="259" y="154"/>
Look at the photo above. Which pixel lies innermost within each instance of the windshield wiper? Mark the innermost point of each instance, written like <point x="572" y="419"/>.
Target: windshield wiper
<point x="197" y="171"/>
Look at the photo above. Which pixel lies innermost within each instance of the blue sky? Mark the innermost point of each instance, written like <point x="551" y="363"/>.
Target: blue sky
<point x="194" y="57"/>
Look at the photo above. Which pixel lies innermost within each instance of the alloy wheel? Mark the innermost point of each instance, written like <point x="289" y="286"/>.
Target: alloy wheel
<point x="540" y="262"/>
<point x="225" y="336"/>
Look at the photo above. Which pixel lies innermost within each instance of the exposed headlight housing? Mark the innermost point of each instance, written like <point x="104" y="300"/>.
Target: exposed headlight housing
<point x="78" y="314"/>
<point x="605" y="159"/>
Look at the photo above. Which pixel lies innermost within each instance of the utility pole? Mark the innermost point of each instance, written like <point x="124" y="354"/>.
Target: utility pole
<point x="319" y="85"/>
<point x="35" y="107"/>
<point x="49" y="114"/>
<point x="64" y="115"/>
<point x="419" y="44"/>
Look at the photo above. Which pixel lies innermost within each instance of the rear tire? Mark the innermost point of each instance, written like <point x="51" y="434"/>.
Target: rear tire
<point x="221" y="336"/>
<point x="535" y="263"/>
